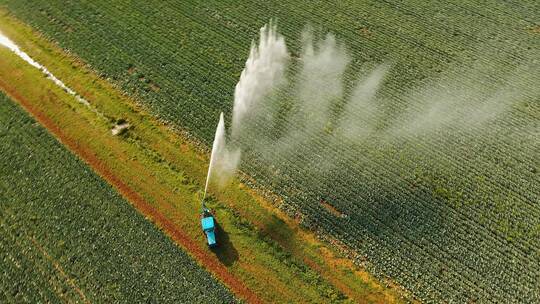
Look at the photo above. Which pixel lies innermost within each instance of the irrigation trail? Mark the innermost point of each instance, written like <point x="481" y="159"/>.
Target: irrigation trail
<point x="6" y="42"/>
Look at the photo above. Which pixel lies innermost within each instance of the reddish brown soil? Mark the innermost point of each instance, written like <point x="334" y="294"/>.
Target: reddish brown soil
<point x="331" y="208"/>
<point x="210" y="262"/>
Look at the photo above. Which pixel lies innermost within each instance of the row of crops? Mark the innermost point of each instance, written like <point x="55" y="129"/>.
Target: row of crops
<point x="67" y="236"/>
<point x="451" y="215"/>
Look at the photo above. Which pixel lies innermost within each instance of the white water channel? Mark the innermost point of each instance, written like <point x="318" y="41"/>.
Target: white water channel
<point x="8" y="43"/>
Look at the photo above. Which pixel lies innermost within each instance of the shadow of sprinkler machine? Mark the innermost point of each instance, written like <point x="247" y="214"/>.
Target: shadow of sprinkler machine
<point x="208" y="223"/>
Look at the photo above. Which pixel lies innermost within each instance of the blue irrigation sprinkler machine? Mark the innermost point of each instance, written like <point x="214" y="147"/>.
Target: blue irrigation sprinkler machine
<point x="208" y="223"/>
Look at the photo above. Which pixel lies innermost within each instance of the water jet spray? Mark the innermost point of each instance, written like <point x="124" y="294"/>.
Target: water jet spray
<point x="207" y="216"/>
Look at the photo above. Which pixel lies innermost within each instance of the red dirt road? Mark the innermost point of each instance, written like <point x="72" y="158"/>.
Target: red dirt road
<point x="210" y="262"/>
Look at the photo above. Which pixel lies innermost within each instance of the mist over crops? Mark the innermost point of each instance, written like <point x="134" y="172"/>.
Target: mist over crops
<point x="410" y="166"/>
<point x="297" y="109"/>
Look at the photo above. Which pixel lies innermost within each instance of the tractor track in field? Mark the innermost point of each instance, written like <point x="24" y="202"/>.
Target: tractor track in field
<point x="211" y="263"/>
<point x="71" y="281"/>
<point x="34" y="244"/>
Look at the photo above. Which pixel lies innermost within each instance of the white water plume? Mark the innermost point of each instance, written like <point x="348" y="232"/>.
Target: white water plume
<point x="317" y="87"/>
<point x="361" y="111"/>
<point x="223" y="162"/>
<point x="320" y="82"/>
<point x="264" y="71"/>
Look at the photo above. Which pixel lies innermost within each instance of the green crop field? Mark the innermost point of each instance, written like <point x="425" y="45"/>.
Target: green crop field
<point x="67" y="236"/>
<point x="448" y="207"/>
